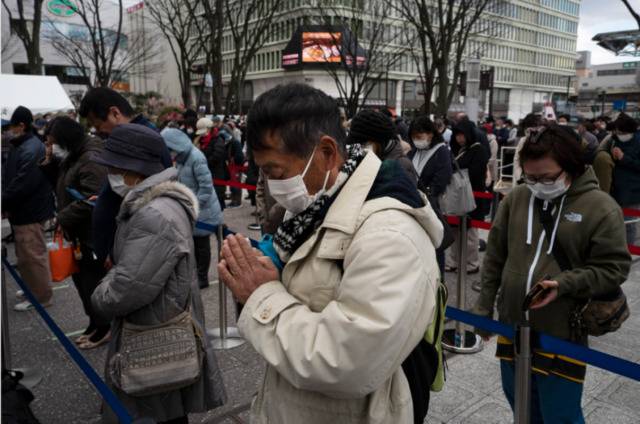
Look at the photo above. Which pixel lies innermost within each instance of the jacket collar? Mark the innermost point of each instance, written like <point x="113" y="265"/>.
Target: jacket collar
<point x="343" y="214"/>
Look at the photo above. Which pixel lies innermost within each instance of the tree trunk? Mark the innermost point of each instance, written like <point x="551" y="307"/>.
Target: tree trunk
<point x="186" y="89"/>
<point x="217" y="60"/>
<point x="442" y="102"/>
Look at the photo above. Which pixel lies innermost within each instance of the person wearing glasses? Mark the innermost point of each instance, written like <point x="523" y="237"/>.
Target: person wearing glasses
<point x="558" y="208"/>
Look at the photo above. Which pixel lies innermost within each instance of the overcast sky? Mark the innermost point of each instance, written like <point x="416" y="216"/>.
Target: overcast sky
<point x="598" y="16"/>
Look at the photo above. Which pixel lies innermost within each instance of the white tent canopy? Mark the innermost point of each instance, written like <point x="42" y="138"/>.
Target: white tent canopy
<point x="38" y="93"/>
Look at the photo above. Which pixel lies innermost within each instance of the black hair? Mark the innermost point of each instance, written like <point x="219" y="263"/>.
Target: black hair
<point x="625" y="124"/>
<point x="67" y="133"/>
<point x="588" y="125"/>
<point x="98" y="100"/>
<point x="560" y="143"/>
<point x="530" y="121"/>
<point x="565" y="116"/>
<point x="300" y="114"/>
<point x="422" y="124"/>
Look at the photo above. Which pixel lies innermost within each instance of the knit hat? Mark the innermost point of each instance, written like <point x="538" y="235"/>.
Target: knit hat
<point x="22" y="115"/>
<point x="203" y="125"/>
<point x="626" y="124"/>
<point x="370" y="125"/>
<point x="134" y="148"/>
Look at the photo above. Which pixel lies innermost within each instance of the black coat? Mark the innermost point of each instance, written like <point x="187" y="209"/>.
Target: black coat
<point x="436" y="174"/>
<point x="475" y="159"/>
<point x="221" y="153"/>
<point x="80" y="172"/>
<point x="27" y="195"/>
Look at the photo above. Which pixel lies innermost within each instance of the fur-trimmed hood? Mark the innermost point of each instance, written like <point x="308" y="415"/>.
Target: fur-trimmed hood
<point x="163" y="184"/>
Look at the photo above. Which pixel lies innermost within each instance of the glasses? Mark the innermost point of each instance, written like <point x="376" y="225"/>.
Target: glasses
<point x="531" y="180"/>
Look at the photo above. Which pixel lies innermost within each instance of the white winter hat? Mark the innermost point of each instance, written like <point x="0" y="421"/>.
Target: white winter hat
<point x="203" y="125"/>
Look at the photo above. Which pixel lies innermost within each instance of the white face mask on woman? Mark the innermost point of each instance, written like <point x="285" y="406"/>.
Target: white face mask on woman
<point x="292" y="193"/>
<point x="549" y="191"/>
<point x="421" y="144"/>
<point x="116" y="181"/>
<point x="625" y="137"/>
<point x="59" y="152"/>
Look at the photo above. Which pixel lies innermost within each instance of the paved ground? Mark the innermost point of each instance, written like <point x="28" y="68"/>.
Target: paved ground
<point x="472" y="392"/>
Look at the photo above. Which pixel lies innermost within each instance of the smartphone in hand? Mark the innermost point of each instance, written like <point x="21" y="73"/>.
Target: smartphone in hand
<point x="536" y="294"/>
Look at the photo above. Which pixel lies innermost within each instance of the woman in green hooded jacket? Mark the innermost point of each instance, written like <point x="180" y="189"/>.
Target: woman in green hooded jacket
<point x="587" y="223"/>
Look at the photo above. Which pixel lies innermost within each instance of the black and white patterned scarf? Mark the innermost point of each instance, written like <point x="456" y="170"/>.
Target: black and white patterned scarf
<point x="297" y="229"/>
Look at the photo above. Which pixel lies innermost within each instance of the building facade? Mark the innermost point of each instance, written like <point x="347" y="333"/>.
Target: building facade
<point x="531" y="44"/>
<point x="603" y="89"/>
<point x="141" y="78"/>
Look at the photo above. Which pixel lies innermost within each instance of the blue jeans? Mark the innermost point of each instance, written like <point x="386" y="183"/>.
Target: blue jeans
<point x="553" y="399"/>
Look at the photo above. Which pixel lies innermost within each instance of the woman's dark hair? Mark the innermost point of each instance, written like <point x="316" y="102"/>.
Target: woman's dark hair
<point x="560" y="143"/>
<point x="67" y="133"/>
<point x="422" y="124"/>
<point x="98" y="100"/>
<point x="300" y="114"/>
<point x="625" y="124"/>
<point x="530" y="121"/>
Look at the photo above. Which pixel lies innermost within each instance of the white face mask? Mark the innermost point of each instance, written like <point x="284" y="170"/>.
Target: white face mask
<point x="189" y="131"/>
<point x="625" y="137"/>
<point x="58" y="152"/>
<point x="292" y="193"/>
<point x="549" y="191"/>
<point x="116" y="181"/>
<point x="421" y="144"/>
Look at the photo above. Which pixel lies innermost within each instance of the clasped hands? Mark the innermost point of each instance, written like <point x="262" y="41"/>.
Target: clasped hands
<point x="243" y="269"/>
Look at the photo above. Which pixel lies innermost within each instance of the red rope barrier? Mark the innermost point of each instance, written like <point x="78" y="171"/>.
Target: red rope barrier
<point x="631" y="212"/>
<point x="482" y="195"/>
<point x="235" y="184"/>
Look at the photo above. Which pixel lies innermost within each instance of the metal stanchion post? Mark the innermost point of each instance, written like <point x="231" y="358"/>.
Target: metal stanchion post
<point x="460" y="340"/>
<point x="6" y="344"/>
<point x="30" y="377"/>
<point x="223" y="337"/>
<point x="523" y="374"/>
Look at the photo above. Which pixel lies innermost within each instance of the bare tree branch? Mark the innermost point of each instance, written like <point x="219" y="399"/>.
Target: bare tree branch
<point x="249" y="23"/>
<point x="27" y="28"/>
<point x="443" y="31"/>
<point x="369" y="48"/>
<point x="175" y="19"/>
<point x="102" y="49"/>
<point x="635" y="14"/>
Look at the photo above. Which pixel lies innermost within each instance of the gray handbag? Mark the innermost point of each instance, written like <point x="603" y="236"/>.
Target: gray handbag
<point x="158" y="358"/>
<point x="457" y="200"/>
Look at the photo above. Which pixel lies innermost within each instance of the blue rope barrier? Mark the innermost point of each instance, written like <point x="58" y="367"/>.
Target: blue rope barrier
<point x="214" y="229"/>
<point x="551" y="344"/>
<point x="107" y="394"/>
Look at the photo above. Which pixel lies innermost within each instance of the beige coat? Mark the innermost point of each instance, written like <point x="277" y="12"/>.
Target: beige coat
<point x="354" y="301"/>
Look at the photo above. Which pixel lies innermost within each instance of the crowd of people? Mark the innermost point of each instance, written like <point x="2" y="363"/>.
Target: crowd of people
<point x="346" y="282"/>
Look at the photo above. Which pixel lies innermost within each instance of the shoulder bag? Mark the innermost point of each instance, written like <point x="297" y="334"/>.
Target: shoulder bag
<point x="598" y="315"/>
<point x="458" y="198"/>
<point x="160" y="358"/>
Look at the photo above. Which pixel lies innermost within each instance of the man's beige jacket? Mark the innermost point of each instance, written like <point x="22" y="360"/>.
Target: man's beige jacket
<point x="354" y="301"/>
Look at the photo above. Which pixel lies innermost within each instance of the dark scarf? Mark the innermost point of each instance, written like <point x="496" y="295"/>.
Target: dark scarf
<point x="391" y="181"/>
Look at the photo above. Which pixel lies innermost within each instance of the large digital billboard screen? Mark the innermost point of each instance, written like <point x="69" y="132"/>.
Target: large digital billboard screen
<point x="321" y="47"/>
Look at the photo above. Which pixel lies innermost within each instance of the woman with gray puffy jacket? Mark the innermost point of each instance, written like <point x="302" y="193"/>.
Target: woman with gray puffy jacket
<point x="153" y="281"/>
<point x="193" y="172"/>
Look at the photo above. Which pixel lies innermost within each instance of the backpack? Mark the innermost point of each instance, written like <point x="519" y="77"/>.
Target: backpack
<point x="16" y="399"/>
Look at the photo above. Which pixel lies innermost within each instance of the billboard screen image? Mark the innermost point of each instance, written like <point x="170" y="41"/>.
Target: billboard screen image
<point x="321" y="47"/>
